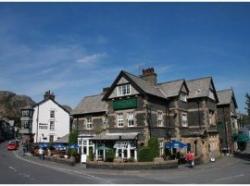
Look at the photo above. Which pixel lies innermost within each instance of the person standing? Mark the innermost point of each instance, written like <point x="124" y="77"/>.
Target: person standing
<point x="190" y="159"/>
<point x="41" y="152"/>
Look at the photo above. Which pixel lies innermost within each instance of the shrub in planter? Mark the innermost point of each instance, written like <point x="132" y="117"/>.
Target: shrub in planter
<point x="91" y="155"/>
<point x="110" y="155"/>
<point x="145" y="155"/>
<point x="153" y="144"/>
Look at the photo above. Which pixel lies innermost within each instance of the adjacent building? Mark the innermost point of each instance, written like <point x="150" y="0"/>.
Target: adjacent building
<point x="227" y="120"/>
<point x="50" y="120"/>
<point x="26" y="124"/>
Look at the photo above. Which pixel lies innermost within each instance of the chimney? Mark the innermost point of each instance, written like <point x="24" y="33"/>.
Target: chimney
<point x="49" y="95"/>
<point x="149" y="75"/>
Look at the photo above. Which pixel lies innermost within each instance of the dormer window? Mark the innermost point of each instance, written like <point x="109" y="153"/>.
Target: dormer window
<point x="183" y="96"/>
<point x="124" y="90"/>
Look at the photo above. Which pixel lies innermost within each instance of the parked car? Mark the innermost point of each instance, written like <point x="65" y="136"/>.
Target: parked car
<point x="13" y="145"/>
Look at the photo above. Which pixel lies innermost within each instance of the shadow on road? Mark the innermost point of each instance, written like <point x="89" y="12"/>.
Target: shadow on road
<point x="244" y="156"/>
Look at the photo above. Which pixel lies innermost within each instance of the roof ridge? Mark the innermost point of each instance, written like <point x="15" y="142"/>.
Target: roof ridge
<point x="93" y="95"/>
<point x="140" y="78"/>
<point x="228" y="89"/>
<point x="170" y="81"/>
<point x="205" y="77"/>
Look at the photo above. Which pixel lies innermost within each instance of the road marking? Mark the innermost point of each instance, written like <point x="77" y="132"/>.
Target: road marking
<point x="230" y="177"/>
<point x="12" y="168"/>
<point x="91" y="177"/>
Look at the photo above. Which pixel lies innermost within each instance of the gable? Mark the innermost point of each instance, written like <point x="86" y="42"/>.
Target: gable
<point x="212" y="92"/>
<point x="120" y="82"/>
<point x="184" y="89"/>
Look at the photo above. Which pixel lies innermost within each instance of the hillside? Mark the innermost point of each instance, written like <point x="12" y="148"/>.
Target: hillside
<point x="11" y="104"/>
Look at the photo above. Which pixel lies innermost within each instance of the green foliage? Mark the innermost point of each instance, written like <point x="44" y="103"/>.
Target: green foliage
<point x="148" y="153"/>
<point x="72" y="152"/>
<point x="153" y="144"/>
<point x="110" y="155"/>
<point x="145" y="155"/>
<point x="73" y="137"/>
<point x="91" y="155"/>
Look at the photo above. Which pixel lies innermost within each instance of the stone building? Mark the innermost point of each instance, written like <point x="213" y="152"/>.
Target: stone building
<point x="227" y="119"/>
<point x="135" y="108"/>
<point x="26" y="125"/>
<point x="89" y="119"/>
<point x="201" y="134"/>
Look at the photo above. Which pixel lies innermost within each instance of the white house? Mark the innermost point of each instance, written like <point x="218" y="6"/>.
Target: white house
<point x="51" y="121"/>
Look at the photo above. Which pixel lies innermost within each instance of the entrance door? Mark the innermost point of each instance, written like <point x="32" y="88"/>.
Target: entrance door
<point x="84" y="154"/>
<point x="84" y="151"/>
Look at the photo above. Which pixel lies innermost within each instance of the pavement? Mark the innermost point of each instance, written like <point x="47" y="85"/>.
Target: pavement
<point x="15" y="168"/>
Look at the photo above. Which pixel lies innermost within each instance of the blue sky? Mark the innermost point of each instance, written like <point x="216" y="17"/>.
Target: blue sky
<point x="76" y="49"/>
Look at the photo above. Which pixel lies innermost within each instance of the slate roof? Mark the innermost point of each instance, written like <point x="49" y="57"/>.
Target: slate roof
<point x="225" y="97"/>
<point x="44" y="100"/>
<point x="199" y="87"/>
<point x="91" y="104"/>
<point x="145" y="86"/>
<point x="171" y="88"/>
<point x="63" y="139"/>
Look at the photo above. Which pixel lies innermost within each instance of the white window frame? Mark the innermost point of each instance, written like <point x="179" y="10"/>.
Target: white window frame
<point x="120" y="120"/>
<point x="123" y="90"/>
<point x="184" y="119"/>
<point x="54" y="113"/>
<point x="50" y="125"/>
<point x="211" y="116"/>
<point x="130" y="119"/>
<point x="183" y="97"/>
<point x="89" y="123"/>
<point x="160" y="119"/>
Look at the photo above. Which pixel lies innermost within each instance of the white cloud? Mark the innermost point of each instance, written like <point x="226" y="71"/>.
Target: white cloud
<point x="91" y="59"/>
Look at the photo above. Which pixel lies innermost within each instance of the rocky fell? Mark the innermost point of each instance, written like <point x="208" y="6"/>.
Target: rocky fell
<point x="11" y="104"/>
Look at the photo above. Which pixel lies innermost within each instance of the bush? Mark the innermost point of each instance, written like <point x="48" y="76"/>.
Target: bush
<point x="73" y="135"/>
<point x="153" y="144"/>
<point x="145" y="154"/>
<point x="91" y="155"/>
<point x="72" y="152"/>
<point x="110" y="155"/>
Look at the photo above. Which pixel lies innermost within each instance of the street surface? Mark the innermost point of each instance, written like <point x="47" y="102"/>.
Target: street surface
<point x="17" y="169"/>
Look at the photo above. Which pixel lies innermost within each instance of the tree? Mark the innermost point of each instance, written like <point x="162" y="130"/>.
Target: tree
<point x="73" y="135"/>
<point x="248" y="104"/>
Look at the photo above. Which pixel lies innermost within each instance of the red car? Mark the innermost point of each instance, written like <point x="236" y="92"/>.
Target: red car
<point x="13" y="145"/>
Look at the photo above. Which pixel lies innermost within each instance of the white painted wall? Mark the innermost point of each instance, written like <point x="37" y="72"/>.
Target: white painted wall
<point x="62" y="121"/>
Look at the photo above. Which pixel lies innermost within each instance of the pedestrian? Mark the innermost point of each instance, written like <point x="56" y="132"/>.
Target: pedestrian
<point x="190" y="159"/>
<point x="24" y="149"/>
<point x="41" y="153"/>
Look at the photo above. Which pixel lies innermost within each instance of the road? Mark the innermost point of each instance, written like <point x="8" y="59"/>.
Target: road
<point x="17" y="169"/>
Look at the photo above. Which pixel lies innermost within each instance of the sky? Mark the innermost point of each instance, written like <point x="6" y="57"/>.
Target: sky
<point x="76" y="49"/>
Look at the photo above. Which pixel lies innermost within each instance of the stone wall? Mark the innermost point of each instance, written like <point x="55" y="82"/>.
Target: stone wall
<point x="133" y="165"/>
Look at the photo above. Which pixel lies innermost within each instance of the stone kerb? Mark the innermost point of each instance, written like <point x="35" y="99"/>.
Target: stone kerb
<point x="133" y="165"/>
